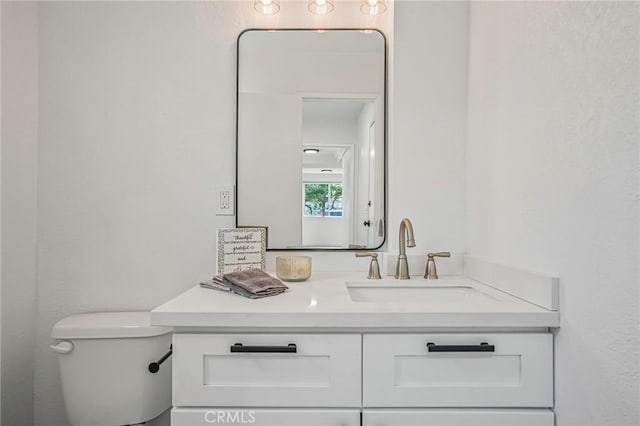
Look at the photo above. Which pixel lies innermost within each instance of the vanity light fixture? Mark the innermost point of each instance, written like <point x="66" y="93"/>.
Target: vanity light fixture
<point x="320" y="7"/>
<point x="311" y="150"/>
<point x="373" y="7"/>
<point x="267" y="7"/>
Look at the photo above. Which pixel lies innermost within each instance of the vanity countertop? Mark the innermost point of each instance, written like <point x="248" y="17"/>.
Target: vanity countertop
<point x="324" y="302"/>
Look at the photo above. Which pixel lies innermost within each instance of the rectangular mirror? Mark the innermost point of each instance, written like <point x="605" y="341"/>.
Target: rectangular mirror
<point x="311" y="137"/>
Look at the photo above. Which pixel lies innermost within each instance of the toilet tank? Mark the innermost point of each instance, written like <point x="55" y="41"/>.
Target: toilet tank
<point x="104" y="368"/>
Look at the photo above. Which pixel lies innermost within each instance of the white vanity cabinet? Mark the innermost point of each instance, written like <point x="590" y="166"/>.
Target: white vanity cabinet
<point x="457" y="417"/>
<point x="458" y="370"/>
<point x="363" y="379"/>
<point x="315" y="357"/>
<point x="267" y="370"/>
<point x="223" y="416"/>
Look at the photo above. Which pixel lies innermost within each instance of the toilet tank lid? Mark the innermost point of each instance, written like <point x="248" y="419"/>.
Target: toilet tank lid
<point x="107" y="325"/>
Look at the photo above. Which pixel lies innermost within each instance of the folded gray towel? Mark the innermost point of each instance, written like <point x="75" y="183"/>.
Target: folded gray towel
<point x="217" y="283"/>
<point x="255" y="281"/>
<point x="252" y="283"/>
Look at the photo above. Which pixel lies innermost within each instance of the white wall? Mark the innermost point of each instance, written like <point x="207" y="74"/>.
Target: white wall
<point x="268" y="188"/>
<point x="319" y="130"/>
<point x="19" y="183"/>
<point x="325" y="232"/>
<point x="552" y="178"/>
<point x="428" y="130"/>
<point x="276" y="63"/>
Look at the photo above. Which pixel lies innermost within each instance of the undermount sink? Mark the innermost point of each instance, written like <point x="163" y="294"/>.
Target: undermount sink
<point x="397" y="291"/>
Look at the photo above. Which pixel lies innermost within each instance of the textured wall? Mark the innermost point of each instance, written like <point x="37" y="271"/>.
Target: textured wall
<point x="19" y="184"/>
<point x="552" y="180"/>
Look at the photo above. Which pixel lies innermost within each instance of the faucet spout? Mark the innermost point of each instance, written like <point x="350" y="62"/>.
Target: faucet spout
<point x="405" y="239"/>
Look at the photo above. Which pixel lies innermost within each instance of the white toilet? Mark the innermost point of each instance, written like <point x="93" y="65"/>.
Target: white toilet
<point x="106" y="361"/>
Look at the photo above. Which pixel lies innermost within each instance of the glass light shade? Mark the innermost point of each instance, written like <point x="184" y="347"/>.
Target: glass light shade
<point x="267" y="7"/>
<point x="320" y="7"/>
<point x="373" y="7"/>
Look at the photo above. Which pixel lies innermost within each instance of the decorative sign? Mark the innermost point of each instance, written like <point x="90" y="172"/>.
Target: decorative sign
<point x="241" y="248"/>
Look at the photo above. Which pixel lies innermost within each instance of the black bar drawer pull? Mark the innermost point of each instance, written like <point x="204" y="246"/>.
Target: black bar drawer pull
<point x="482" y="347"/>
<point x="291" y="348"/>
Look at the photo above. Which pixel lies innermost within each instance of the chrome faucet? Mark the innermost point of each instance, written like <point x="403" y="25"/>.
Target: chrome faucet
<point x="402" y="267"/>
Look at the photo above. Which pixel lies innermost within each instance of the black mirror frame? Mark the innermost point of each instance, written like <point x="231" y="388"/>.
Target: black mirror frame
<point x="386" y="136"/>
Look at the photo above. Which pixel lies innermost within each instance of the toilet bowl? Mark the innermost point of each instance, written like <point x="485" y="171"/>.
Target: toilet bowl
<point x="105" y="368"/>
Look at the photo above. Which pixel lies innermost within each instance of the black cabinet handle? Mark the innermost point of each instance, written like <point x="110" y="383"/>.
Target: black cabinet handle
<point x="154" y="367"/>
<point x="482" y="347"/>
<point x="289" y="349"/>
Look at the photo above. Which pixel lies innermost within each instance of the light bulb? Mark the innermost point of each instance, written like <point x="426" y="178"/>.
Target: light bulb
<point x="320" y="7"/>
<point x="267" y="7"/>
<point x="373" y="7"/>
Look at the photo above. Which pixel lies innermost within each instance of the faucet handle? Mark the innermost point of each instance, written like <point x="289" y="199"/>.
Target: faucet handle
<point x="439" y="254"/>
<point x="430" y="272"/>
<point x="374" y="267"/>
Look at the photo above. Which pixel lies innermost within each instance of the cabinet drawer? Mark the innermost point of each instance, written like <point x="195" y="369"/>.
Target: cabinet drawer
<point x="266" y="370"/>
<point x="263" y="417"/>
<point x="458" y="417"/>
<point x="457" y="371"/>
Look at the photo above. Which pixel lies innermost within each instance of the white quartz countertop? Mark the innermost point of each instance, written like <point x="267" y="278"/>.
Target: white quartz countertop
<point x="324" y="302"/>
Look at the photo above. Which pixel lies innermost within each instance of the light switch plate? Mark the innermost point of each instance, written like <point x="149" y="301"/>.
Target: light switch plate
<point x="225" y="200"/>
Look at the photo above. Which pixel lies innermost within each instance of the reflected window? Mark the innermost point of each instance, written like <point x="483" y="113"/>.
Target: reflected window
<point x="322" y="200"/>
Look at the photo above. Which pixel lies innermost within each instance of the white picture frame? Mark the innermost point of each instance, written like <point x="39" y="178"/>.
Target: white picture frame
<point x="240" y="249"/>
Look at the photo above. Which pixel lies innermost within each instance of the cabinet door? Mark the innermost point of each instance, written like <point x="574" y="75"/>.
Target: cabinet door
<point x="267" y="370"/>
<point x="458" y="370"/>
<point x="458" y="417"/>
<point x="263" y="417"/>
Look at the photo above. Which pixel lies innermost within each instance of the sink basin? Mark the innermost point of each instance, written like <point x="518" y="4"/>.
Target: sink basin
<point x="409" y="292"/>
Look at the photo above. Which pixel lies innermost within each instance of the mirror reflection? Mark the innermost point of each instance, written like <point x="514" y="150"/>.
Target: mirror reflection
<point x="311" y="137"/>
